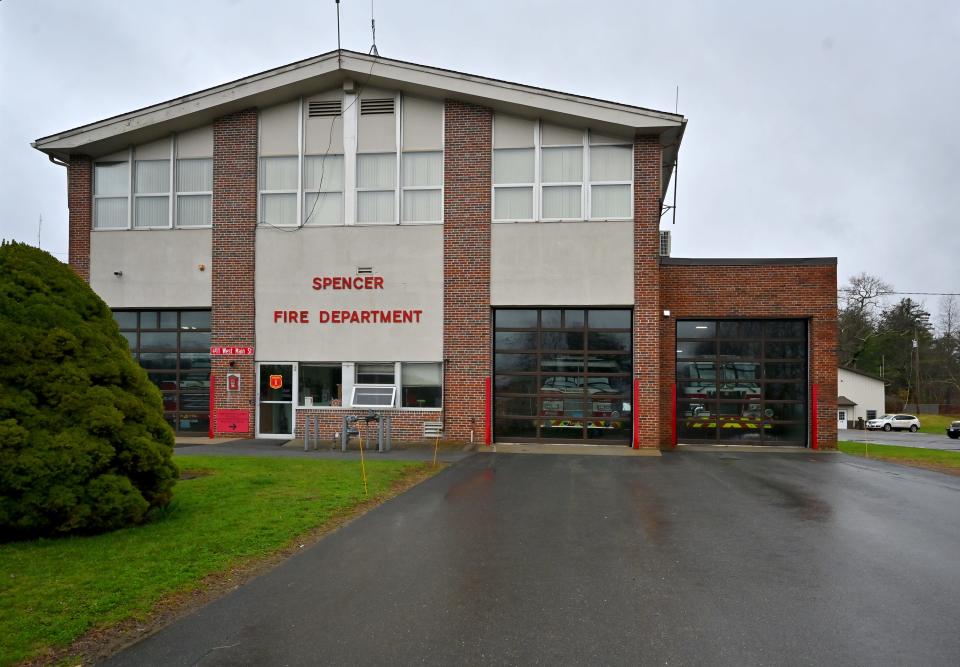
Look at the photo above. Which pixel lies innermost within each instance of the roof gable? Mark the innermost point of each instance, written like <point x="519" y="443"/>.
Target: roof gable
<point x="330" y="70"/>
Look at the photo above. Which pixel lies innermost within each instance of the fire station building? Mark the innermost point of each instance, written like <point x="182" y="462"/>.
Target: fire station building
<point x="352" y="233"/>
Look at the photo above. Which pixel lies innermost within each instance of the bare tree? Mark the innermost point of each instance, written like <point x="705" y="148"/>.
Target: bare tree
<point x="860" y="304"/>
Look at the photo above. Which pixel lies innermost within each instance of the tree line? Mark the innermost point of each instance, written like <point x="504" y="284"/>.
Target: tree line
<point x="917" y="356"/>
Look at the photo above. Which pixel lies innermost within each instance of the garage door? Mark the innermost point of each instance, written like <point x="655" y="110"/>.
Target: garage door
<point x="742" y="381"/>
<point x="562" y="374"/>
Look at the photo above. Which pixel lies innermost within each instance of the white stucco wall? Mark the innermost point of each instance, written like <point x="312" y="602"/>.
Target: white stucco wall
<point x="408" y="258"/>
<point x="161" y="268"/>
<point x="562" y="263"/>
<point x="866" y="392"/>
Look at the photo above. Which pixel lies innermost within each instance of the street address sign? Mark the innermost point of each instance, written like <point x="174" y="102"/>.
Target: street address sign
<point x="234" y="350"/>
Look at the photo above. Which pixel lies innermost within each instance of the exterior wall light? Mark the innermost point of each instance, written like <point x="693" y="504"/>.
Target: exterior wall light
<point x="666" y="313"/>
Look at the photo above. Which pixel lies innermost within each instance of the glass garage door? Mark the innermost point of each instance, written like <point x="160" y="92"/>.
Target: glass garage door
<point x="173" y="346"/>
<point x="562" y="374"/>
<point x="742" y="381"/>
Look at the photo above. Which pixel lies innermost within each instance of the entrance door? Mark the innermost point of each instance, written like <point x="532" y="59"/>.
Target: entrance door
<point x="841" y="419"/>
<point x="562" y="374"/>
<point x="275" y="417"/>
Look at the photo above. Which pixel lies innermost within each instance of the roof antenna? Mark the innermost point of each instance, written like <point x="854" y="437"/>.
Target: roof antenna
<point x="338" y="27"/>
<point x="373" y="28"/>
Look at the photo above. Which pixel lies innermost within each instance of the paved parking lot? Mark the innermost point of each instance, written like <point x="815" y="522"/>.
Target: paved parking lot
<point x="901" y="438"/>
<point x="692" y="558"/>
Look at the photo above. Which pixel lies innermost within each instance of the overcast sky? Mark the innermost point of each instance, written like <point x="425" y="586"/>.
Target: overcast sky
<point x="816" y="128"/>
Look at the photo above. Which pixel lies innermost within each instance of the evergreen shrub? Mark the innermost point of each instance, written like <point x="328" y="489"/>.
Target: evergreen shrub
<point x="84" y="447"/>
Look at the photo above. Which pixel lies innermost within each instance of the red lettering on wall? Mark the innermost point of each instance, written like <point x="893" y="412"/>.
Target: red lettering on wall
<point x="347" y="282"/>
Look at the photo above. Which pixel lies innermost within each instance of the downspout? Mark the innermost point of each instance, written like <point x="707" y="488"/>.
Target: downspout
<point x="54" y="159"/>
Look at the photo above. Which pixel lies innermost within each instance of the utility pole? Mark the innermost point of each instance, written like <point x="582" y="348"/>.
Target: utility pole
<point x="916" y="346"/>
<point x="39" y="227"/>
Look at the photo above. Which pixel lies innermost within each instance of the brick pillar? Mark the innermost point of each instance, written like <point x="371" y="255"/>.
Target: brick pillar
<point x="468" y="137"/>
<point x="824" y="339"/>
<point x="646" y="286"/>
<point x="234" y="239"/>
<point x="80" y="203"/>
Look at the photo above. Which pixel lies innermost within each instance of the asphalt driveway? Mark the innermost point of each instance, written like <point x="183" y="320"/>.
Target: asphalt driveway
<point x="901" y="438"/>
<point x="692" y="558"/>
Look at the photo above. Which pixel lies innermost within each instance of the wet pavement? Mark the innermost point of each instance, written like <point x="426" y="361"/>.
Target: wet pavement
<point x="692" y="558"/>
<point x="901" y="438"/>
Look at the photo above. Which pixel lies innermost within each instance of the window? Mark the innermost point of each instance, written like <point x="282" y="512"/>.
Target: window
<point x="871" y="414"/>
<point x="195" y="192"/>
<point x="375" y="374"/>
<point x="111" y="192"/>
<point x="321" y="384"/>
<point x="279" y="178"/>
<point x="422" y="179"/>
<point x="422" y="385"/>
<point x="611" y="179"/>
<point x="540" y="170"/>
<point x="561" y="173"/>
<point x="513" y="179"/>
<point x="376" y="188"/>
<point x="151" y="193"/>
<point x="323" y="189"/>
<point x="374" y="397"/>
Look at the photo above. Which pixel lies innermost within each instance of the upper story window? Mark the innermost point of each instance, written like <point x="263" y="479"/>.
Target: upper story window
<point x="135" y="189"/>
<point x="547" y="172"/>
<point x="195" y="192"/>
<point x="111" y="194"/>
<point x="371" y="158"/>
<point x="151" y="182"/>
<point x="278" y="190"/>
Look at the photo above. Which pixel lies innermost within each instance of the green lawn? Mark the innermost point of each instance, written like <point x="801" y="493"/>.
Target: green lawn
<point x="930" y="458"/>
<point x="935" y="423"/>
<point x="53" y="591"/>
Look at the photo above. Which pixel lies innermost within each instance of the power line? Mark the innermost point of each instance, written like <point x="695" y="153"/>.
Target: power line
<point x="847" y="289"/>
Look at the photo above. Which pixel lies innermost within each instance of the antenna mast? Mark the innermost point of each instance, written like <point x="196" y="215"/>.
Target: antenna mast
<point x="338" y="26"/>
<point x="373" y="29"/>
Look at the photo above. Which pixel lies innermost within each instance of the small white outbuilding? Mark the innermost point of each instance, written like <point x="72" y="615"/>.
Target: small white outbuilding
<point x="860" y="396"/>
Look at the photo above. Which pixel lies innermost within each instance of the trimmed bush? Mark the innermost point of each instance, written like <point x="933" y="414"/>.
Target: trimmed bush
<point x="84" y="447"/>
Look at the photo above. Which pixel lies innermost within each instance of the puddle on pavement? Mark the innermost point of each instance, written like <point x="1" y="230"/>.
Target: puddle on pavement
<point x="479" y="482"/>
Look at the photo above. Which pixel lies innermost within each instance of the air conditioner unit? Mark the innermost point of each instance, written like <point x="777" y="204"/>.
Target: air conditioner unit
<point x="665" y="243"/>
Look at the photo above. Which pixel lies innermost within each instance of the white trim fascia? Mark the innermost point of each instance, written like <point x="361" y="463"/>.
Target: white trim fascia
<point x="427" y="80"/>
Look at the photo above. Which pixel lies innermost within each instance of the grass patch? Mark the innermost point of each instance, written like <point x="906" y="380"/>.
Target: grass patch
<point x="933" y="459"/>
<point x="229" y="512"/>
<point x="936" y="424"/>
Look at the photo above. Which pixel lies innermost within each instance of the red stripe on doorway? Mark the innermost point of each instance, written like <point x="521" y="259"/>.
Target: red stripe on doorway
<point x="213" y="407"/>
<point x="673" y="416"/>
<point x="636" y="413"/>
<point x="814" y="418"/>
<point x="487" y="412"/>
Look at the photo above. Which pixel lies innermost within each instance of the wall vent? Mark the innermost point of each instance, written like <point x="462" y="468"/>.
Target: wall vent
<point x="373" y="106"/>
<point x="665" y="243"/>
<point x="324" y="109"/>
<point x="363" y="270"/>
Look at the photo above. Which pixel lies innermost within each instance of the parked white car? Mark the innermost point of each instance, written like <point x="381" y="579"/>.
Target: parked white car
<point x="894" y="423"/>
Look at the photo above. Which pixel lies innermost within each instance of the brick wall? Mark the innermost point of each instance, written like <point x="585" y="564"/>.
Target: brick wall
<point x="234" y="238"/>
<point x="646" y="285"/>
<point x="468" y="136"/>
<point x="80" y="203"/>
<point x="405" y="424"/>
<point x="755" y="291"/>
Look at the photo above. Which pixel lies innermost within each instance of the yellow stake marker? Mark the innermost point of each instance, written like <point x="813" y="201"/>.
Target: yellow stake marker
<point x="363" y="467"/>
